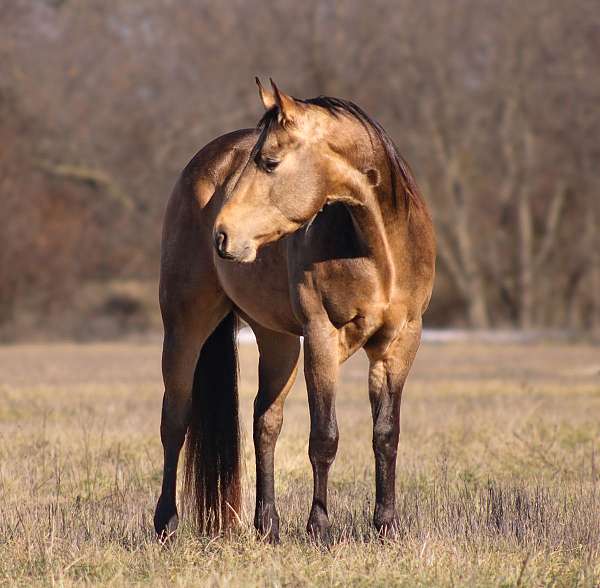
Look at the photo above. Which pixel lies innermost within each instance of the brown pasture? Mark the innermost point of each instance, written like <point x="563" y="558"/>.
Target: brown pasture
<point x="497" y="473"/>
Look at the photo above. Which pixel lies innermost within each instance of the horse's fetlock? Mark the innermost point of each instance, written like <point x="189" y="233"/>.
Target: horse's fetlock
<point x="266" y="521"/>
<point x="318" y="526"/>
<point x="385" y="520"/>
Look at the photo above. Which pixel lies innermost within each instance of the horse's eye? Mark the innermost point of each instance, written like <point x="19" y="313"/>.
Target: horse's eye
<point x="269" y="165"/>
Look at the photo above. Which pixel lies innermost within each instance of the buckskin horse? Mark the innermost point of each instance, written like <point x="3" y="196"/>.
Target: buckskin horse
<point x="310" y="225"/>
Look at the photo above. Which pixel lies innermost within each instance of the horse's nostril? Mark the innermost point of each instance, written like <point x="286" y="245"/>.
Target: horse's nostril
<point x="220" y="242"/>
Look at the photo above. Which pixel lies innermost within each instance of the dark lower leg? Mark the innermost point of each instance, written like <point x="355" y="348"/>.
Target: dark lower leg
<point x="390" y="365"/>
<point x="266" y="430"/>
<point x="386" y="433"/>
<point x="276" y="374"/>
<point x="322" y="449"/>
<point x="321" y="367"/>
<point x="172" y="431"/>
<point x="385" y="392"/>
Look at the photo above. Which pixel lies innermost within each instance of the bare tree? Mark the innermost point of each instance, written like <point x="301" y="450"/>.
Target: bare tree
<point x="493" y="102"/>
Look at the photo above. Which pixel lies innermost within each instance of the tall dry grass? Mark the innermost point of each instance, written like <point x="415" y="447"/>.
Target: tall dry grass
<point x="498" y="480"/>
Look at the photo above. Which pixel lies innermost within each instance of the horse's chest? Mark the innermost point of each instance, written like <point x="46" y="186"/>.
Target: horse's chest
<point x="350" y="289"/>
<point x="348" y="292"/>
<point x="332" y="272"/>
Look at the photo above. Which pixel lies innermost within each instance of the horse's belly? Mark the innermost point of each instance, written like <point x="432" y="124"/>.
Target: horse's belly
<point x="261" y="289"/>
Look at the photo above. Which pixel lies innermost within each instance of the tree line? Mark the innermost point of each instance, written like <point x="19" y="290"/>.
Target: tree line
<point x="493" y="102"/>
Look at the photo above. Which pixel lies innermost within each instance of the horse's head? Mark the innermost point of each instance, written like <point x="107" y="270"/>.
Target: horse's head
<point x="292" y="172"/>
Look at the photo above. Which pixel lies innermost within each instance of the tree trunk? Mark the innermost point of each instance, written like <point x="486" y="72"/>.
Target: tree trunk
<point x="526" y="270"/>
<point x="476" y="298"/>
<point x="594" y="244"/>
<point x="478" y="311"/>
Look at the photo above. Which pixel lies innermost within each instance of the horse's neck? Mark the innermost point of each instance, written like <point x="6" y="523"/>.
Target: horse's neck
<point x="380" y="232"/>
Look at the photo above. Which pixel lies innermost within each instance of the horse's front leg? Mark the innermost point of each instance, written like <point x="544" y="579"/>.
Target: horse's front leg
<point x="321" y="365"/>
<point x="388" y="371"/>
<point x="276" y="374"/>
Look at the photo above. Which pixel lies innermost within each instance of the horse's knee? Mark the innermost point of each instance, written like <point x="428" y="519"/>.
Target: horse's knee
<point x="385" y="440"/>
<point x="323" y="445"/>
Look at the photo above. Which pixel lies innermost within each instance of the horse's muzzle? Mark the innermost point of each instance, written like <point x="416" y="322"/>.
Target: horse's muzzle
<point x="227" y="249"/>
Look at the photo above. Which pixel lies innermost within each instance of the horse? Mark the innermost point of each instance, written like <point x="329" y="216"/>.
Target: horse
<point x="309" y="226"/>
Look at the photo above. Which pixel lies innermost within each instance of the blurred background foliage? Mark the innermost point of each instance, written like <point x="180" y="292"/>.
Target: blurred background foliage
<point x="495" y="103"/>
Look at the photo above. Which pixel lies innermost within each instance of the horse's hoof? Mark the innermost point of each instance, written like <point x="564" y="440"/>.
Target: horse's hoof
<point x="165" y="523"/>
<point x="386" y="524"/>
<point x="318" y="527"/>
<point x="266" y="522"/>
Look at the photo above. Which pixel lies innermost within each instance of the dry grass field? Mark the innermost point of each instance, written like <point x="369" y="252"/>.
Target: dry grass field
<point x="499" y="469"/>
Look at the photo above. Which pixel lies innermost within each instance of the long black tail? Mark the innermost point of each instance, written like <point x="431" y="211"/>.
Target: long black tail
<point x="212" y="482"/>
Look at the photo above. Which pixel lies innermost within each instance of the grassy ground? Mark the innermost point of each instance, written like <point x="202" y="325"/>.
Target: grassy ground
<point x="498" y="474"/>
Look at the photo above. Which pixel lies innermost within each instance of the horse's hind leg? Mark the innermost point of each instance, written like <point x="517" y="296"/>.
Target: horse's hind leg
<point x="188" y="323"/>
<point x="389" y="368"/>
<point x="277" y="370"/>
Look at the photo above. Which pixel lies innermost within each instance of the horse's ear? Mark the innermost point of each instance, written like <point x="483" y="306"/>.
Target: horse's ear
<point x="267" y="98"/>
<point x="288" y="107"/>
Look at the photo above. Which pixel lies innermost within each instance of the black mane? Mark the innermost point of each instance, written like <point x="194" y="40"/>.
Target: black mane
<point x="399" y="169"/>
